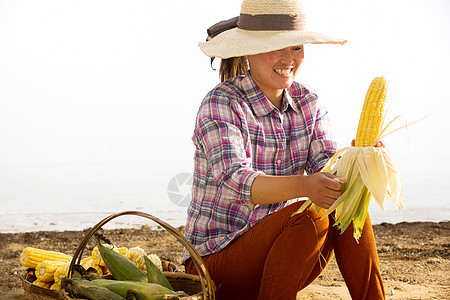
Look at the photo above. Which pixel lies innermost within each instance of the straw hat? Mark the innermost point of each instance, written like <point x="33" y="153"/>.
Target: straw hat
<point x="262" y="26"/>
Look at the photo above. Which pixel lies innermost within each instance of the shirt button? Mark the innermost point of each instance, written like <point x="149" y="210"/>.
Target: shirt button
<point x="279" y="162"/>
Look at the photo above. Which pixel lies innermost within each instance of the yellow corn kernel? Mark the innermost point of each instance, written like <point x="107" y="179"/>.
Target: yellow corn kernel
<point x="88" y="262"/>
<point x="41" y="283"/>
<point x="31" y="257"/>
<point x="56" y="286"/>
<point x="61" y="272"/>
<point x="156" y="260"/>
<point x="97" y="257"/>
<point x="136" y="255"/>
<point x="372" y="113"/>
<point x="45" y="271"/>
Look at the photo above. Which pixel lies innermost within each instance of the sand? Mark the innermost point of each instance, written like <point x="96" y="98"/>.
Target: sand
<point x="414" y="258"/>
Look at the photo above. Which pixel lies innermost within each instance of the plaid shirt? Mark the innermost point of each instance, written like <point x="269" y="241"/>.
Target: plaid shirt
<point x="239" y="135"/>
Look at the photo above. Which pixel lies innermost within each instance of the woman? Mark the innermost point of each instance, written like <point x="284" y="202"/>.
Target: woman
<point x="261" y="139"/>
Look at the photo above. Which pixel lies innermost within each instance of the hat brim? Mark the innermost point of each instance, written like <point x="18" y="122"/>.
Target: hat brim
<point x="237" y="42"/>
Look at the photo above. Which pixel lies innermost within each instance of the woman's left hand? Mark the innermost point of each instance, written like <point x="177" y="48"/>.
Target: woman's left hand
<point x="379" y="144"/>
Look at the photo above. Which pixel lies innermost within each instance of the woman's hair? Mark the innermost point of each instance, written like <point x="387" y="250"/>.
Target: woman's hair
<point x="232" y="67"/>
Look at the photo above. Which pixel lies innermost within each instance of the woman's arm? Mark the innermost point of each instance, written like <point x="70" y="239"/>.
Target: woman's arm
<point x="321" y="188"/>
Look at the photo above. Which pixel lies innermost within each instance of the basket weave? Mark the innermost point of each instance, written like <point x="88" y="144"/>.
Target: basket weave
<point x="198" y="287"/>
<point x="34" y="292"/>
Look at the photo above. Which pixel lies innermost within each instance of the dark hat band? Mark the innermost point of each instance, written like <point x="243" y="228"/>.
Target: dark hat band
<point x="221" y="27"/>
<point x="269" y="22"/>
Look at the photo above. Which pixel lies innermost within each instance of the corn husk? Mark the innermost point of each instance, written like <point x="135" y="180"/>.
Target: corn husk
<point x="370" y="173"/>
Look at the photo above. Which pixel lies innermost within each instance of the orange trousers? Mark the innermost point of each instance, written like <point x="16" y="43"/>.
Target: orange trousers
<point x="282" y="255"/>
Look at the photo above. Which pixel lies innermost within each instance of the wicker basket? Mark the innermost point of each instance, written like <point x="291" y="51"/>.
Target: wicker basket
<point x="34" y="292"/>
<point x="199" y="287"/>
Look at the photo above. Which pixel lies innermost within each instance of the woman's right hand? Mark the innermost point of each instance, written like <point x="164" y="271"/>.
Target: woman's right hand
<point x="323" y="188"/>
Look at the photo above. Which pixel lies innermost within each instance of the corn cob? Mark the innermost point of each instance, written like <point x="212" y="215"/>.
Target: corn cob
<point x="369" y="170"/>
<point x="31" y="257"/>
<point x="45" y="271"/>
<point x="61" y="272"/>
<point x="99" y="269"/>
<point x="372" y="113"/>
<point x="89" y="263"/>
<point x="97" y="258"/>
<point x="42" y="284"/>
<point x="137" y="254"/>
<point x="156" y="260"/>
<point x="56" y="286"/>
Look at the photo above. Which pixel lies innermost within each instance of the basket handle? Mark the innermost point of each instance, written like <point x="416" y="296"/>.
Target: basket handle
<point x="208" y="289"/>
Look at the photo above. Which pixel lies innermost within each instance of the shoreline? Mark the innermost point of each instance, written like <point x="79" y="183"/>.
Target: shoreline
<point x="414" y="258"/>
<point x="79" y="221"/>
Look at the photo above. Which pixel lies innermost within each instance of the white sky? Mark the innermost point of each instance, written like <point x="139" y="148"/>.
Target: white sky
<point x="110" y="81"/>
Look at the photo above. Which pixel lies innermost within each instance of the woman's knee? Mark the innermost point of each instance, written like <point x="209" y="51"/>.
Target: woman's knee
<point x="314" y="219"/>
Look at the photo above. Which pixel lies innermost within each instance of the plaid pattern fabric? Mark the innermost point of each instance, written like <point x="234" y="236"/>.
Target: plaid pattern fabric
<point x="239" y="135"/>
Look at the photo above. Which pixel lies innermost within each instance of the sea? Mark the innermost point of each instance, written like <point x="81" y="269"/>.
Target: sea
<point x="76" y="196"/>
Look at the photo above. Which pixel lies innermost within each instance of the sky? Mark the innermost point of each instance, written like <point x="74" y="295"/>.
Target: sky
<point x="121" y="81"/>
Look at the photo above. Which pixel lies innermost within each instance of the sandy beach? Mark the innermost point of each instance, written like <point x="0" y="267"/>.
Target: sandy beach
<point x="414" y="258"/>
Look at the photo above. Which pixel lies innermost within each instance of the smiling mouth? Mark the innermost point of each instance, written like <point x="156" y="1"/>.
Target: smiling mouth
<point x="284" y="71"/>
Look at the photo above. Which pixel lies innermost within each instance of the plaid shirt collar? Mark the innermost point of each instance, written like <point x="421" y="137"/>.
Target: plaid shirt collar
<point x="261" y="106"/>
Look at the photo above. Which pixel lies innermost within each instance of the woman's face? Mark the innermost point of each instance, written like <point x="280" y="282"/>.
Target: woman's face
<point x="276" y="70"/>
